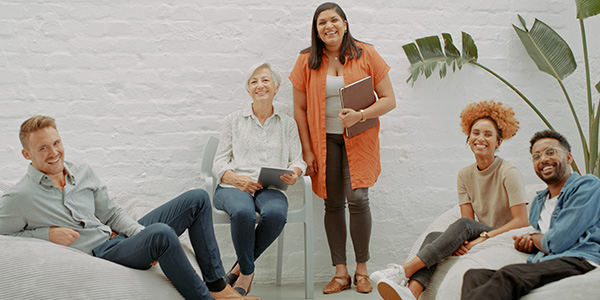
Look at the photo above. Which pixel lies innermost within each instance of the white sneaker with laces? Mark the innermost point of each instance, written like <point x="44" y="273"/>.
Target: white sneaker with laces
<point x="394" y="272"/>
<point x="389" y="290"/>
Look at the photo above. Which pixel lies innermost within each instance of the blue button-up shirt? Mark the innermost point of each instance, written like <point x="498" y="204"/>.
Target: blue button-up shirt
<point x="575" y="222"/>
<point x="35" y="204"/>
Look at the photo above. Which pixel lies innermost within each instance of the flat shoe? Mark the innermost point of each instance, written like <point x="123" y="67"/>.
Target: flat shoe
<point x="240" y="290"/>
<point x="231" y="278"/>
<point x="335" y="286"/>
<point x="228" y="293"/>
<point x="363" y="285"/>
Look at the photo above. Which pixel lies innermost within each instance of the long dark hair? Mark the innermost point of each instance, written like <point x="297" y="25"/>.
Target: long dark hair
<point x="349" y="47"/>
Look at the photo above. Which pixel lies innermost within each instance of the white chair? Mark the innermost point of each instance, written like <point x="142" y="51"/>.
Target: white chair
<point x="303" y="214"/>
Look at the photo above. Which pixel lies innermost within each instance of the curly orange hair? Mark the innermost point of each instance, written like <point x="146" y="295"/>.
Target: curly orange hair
<point x="502" y="115"/>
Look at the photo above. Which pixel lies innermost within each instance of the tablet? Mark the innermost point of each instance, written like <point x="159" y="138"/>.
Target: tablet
<point x="269" y="177"/>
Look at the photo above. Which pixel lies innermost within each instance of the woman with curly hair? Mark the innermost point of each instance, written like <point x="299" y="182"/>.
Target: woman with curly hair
<point x="491" y="189"/>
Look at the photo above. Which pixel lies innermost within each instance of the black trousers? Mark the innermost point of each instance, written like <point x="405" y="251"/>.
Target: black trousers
<point x="515" y="281"/>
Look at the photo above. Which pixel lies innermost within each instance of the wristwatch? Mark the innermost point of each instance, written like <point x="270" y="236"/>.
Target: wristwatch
<point x="485" y="235"/>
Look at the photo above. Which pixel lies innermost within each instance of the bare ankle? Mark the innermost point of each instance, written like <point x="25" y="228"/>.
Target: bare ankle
<point x="415" y="288"/>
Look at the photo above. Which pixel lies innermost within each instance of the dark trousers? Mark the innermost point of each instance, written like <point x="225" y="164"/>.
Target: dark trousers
<point x="439" y="245"/>
<point x="515" y="281"/>
<point x="159" y="242"/>
<point x="340" y="192"/>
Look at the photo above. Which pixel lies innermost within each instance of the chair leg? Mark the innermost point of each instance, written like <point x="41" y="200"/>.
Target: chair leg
<point x="279" y="259"/>
<point x="309" y="273"/>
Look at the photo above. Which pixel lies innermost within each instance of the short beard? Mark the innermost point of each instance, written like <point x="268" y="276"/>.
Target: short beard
<point x="556" y="178"/>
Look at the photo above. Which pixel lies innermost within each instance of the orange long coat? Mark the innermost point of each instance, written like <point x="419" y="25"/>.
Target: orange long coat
<point x="362" y="149"/>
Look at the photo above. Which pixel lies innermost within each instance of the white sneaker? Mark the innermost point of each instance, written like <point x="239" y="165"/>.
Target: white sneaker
<point x="394" y="272"/>
<point x="389" y="290"/>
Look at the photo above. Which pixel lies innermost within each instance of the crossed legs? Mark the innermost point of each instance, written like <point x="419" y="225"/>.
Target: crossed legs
<point x="159" y="242"/>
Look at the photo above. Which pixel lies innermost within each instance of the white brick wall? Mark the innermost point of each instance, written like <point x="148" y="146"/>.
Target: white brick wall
<point x="138" y="86"/>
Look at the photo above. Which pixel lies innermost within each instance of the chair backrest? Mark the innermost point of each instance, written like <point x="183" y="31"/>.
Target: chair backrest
<point x="207" y="161"/>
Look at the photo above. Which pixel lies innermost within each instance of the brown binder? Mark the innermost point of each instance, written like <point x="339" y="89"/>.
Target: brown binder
<point x="359" y="95"/>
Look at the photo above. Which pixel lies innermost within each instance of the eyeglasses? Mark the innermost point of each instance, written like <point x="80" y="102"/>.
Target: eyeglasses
<point x="548" y="152"/>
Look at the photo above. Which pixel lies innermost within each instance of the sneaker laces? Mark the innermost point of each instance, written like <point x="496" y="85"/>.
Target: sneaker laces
<point x="392" y="270"/>
<point x="396" y="273"/>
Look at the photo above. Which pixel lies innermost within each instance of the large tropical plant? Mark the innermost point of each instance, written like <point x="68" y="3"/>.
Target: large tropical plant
<point x="546" y="48"/>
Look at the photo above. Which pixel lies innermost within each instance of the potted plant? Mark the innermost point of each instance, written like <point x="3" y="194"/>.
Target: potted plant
<point x="546" y="48"/>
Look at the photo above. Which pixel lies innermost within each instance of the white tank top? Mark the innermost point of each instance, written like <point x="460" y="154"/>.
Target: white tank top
<point x="333" y="104"/>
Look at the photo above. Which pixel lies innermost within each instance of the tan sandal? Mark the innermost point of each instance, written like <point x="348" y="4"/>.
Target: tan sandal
<point x="335" y="286"/>
<point x="363" y="285"/>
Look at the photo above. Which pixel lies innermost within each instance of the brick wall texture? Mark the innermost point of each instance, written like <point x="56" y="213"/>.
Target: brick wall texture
<point x="138" y="86"/>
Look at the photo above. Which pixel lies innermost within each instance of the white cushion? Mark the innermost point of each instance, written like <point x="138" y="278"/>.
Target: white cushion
<point x="38" y="269"/>
<point x="446" y="282"/>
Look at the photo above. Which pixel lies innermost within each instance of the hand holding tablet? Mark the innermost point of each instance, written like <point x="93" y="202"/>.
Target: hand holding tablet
<point x="270" y="176"/>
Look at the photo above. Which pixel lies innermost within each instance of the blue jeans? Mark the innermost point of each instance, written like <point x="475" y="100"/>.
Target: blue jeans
<point x="439" y="245"/>
<point x="159" y="242"/>
<point x="250" y="243"/>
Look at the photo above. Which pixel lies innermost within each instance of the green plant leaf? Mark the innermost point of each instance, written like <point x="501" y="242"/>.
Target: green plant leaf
<point x="587" y="8"/>
<point x="426" y="54"/>
<point x="469" y="48"/>
<point x="594" y="144"/>
<point x="449" y="49"/>
<point x="522" y="21"/>
<point x="443" y="71"/>
<point x="430" y="47"/>
<point x="547" y="49"/>
<point x="598" y="86"/>
<point x="412" y="53"/>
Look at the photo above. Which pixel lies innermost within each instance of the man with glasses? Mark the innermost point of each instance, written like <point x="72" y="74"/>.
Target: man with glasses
<point x="566" y="217"/>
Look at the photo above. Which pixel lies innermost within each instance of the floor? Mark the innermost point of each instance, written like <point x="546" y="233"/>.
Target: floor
<point x="296" y="292"/>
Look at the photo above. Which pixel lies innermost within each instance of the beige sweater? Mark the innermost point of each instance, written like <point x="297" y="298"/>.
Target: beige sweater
<point x="492" y="191"/>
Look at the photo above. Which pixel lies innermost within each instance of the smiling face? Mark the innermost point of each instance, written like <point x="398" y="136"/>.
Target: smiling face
<point x="331" y="27"/>
<point x="552" y="169"/>
<point x="483" y="139"/>
<point x="261" y="86"/>
<point x="45" y="150"/>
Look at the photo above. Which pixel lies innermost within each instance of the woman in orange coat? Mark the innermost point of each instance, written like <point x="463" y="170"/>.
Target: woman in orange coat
<point x="341" y="168"/>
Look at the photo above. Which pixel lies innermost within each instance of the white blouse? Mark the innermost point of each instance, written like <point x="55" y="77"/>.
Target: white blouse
<point x="246" y="145"/>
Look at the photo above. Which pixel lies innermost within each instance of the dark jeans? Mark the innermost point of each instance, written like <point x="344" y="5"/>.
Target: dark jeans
<point x="439" y="245"/>
<point x="159" y="242"/>
<point x="515" y="281"/>
<point x="250" y="243"/>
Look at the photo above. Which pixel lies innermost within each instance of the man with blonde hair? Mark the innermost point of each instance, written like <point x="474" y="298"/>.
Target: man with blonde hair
<point x="65" y="203"/>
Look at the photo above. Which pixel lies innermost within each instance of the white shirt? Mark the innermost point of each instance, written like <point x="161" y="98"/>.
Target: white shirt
<point x="546" y="213"/>
<point x="246" y="145"/>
